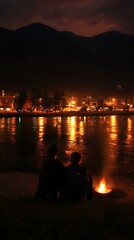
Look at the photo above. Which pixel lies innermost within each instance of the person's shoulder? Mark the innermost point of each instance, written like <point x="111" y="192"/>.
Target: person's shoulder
<point x="82" y="169"/>
<point x="68" y="167"/>
<point x="82" y="166"/>
<point x="59" y="163"/>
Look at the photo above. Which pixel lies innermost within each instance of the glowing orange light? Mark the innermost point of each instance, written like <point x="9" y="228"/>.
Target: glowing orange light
<point x="102" y="188"/>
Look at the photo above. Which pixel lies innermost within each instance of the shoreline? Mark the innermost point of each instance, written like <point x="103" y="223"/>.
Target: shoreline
<point x="14" y="185"/>
<point x="25" y="217"/>
<point x="65" y="114"/>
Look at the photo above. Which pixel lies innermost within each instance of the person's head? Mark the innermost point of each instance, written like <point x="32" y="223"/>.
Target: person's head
<point x="75" y="158"/>
<point x="52" y="151"/>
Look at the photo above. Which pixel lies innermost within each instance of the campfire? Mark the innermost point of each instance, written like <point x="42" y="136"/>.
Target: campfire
<point x="102" y="189"/>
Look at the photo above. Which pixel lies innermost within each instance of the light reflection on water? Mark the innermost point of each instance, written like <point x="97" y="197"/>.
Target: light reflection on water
<point x="106" y="143"/>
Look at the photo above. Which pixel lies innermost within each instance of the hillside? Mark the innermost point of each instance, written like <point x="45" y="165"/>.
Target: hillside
<point x="37" y="55"/>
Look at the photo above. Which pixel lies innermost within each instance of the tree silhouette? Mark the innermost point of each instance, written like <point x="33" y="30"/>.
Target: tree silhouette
<point x="47" y="100"/>
<point x="56" y="99"/>
<point x="21" y="99"/>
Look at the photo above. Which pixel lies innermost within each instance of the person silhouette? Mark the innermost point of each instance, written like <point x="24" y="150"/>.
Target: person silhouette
<point x="78" y="181"/>
<point x="51" y="176"/>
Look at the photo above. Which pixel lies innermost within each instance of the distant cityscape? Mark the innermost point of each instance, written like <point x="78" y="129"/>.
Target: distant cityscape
<point x="58" y="102"/>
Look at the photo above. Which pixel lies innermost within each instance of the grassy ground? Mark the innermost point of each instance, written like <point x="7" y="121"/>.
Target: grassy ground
<point x="24" y="217"/>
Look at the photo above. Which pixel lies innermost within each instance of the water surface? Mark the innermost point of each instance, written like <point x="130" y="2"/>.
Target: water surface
<point x="106" y="143"/>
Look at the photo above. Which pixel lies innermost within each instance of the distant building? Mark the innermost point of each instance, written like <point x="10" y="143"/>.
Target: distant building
<point x="89" y="102"/>
<point x="6" y="103"/>
<point x="110" y="101"/>
<point x="71" y="104"/>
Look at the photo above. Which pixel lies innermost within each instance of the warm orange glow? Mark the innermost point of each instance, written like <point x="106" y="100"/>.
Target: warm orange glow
<point x="102" y="188"/>
<point x="41" y="127"/>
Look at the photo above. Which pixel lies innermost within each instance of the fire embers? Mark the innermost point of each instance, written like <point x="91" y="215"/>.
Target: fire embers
<point x="103" y="190"/>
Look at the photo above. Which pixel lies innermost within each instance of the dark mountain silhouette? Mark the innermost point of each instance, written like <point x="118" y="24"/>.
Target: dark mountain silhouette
<point x="38" y="56"/>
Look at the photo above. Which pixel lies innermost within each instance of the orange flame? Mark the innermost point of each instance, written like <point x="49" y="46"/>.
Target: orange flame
<point x="102" y="188"/>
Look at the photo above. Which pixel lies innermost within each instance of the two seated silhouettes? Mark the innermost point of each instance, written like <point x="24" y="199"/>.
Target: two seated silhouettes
<point x="59" y="182"/>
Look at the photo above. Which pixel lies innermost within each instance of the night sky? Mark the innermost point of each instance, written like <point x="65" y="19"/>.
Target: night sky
<point x="82" y="17"/>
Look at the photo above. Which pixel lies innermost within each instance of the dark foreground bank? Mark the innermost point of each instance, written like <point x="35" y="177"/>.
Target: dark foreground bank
<point x="24" y="217"/>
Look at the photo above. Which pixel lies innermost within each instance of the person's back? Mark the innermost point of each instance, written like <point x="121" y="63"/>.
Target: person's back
<point x="78" y="183"/>
<point x="51" y="174"/>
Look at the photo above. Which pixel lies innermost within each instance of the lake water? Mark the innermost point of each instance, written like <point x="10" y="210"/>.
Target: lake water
<point x="106" y="143"/>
